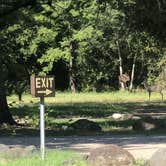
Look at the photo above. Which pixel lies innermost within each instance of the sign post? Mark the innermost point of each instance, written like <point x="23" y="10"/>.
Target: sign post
<point x="42" y="128"/>
<point x="42" y="86"/>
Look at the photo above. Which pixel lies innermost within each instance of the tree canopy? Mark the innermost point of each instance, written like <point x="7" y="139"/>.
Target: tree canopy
<point x="85" y="44"/>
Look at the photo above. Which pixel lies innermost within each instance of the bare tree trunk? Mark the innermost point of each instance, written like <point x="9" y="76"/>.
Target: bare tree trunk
<point x="122" y="86"/>
<point x="19" y="97"/>
<point x="132" y="75"/>
<point x="159" y="12"/>
<point x="5" y="115"/>
<point x="72" y="64"/>
<point x="159" y="6"/>
<point x="71" y="76"/>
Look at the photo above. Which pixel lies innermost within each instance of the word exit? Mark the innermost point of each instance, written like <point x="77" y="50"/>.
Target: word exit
<point x="42" y="86"/>
<point x="44" y="82"/>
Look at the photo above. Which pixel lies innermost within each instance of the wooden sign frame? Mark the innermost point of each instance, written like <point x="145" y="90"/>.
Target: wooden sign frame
<point x="43" y="86"/>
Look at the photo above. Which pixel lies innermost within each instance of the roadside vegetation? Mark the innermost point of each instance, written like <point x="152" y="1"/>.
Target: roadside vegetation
<point x="67" y="108"/>
<point x="53" y="158"/>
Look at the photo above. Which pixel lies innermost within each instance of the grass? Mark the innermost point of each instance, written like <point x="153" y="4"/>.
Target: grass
<point x="66" y="108"/>
<point x="92" y="97"/>
<point x="53" y="158"/>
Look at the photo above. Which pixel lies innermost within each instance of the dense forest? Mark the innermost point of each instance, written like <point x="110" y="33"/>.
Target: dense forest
<point x="85" y="44"/>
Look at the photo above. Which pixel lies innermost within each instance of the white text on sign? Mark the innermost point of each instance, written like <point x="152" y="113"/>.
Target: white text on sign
<point x="44" y="82"/>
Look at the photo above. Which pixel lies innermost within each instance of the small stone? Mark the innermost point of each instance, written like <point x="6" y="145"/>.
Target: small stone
<point x="117" y="116"/>
<point x="136" y="118"/>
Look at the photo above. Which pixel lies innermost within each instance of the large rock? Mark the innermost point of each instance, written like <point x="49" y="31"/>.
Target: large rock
<point x="12" y="152"/>
<point x="84" y="125"/>
<point x="3" y="148"/>
<point x="158" y="158"/>
<point x="17" y="152"/>
<point x="141" y="125"/>
<point x="111" y="155"/>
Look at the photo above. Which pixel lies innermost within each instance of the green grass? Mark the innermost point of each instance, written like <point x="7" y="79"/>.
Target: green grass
<point x="92" y="97"/>
<point x="53" y="158"/>
<point x="66" y="108"/>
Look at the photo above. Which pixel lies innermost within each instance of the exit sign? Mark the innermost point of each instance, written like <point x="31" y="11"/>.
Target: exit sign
<point x="42" y="86"/>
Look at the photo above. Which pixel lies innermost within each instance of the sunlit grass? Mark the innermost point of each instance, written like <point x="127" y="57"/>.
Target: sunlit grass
<point x="66" y="108"/>
<point x="53" y="158"/>
<point x="107" y="97"/>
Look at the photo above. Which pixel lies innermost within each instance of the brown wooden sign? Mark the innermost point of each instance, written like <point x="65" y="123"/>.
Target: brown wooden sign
<point x="42" y="86"/>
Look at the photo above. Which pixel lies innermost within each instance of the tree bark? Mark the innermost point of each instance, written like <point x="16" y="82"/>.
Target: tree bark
<point x="122" y="86"/>
<point x="5" y="115"/>
<point x="72" y="65"/>
<point x="132" y="74"/>
<point x="20" y="97"/>
<point x="71" y="76"/>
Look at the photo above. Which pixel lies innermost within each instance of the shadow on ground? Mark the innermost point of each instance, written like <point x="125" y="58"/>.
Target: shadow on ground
<point x="59" y="116"/>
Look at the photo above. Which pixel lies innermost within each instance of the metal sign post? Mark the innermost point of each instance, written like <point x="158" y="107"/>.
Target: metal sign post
<point x="42" y="86"/>
<point x="42" y="128"/>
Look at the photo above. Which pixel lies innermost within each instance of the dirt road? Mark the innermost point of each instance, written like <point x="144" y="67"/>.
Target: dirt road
<point x="139" y="146"/>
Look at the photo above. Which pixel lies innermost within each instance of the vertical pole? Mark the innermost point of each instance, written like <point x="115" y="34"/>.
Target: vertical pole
<point x="42" y="128"/>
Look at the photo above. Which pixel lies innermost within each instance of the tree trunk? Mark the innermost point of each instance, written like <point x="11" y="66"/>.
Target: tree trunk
<point x="72" y="65"/>
<point x="71" y="76"/>
<point x="5" y="115"/>
<point x="132" y="75"/>
<point x="19" y="97"/>
<point x="122" y="86"/>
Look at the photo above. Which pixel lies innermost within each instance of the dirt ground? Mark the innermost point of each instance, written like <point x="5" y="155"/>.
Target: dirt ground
<point x="141" y="147"/>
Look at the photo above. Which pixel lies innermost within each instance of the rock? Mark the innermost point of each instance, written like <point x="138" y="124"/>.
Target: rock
<point x="158" y="158"/>
<point x="136" y="118"/>
<point x="14" y="152"/>
<point x="30" y="148"/>
<point x="117" y="116"/>
<point x="127" y="116"/>
<point x="111" y="155"/>
<point x="84" y="125"/>
<point x="18" y="151"/>
<point x="3" y="148"/>
<point x="141" y="125"/>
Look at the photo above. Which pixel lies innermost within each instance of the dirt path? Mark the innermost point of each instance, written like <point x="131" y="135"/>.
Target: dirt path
<point x="139" y="146"/>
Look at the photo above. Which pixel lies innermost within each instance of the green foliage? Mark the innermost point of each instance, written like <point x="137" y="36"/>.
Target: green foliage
<point x="86" y="33"/>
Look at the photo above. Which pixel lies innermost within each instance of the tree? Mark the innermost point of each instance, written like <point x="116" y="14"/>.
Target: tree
<point x="6" y="7"/>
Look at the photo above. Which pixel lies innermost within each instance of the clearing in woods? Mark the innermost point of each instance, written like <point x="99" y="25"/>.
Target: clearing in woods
<point x="66" y="108"/>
